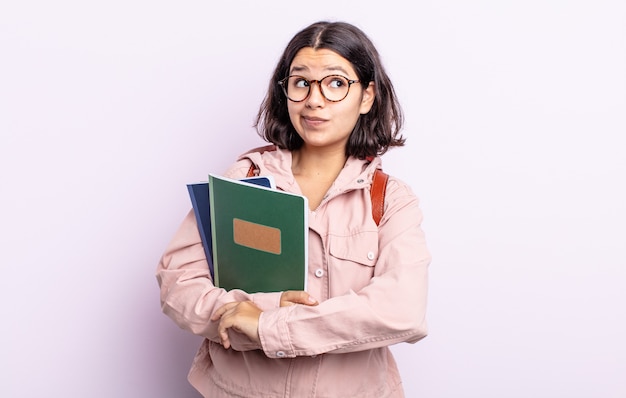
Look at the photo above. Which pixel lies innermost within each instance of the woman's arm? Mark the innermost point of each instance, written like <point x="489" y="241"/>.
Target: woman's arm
<point x="188" y="295"/>
<point x="390" y="309"/>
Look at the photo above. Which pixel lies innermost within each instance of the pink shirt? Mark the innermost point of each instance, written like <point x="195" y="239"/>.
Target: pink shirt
<point x="371" y="282"/>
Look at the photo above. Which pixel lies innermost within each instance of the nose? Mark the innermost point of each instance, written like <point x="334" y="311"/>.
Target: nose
<point x="315" y="98"/>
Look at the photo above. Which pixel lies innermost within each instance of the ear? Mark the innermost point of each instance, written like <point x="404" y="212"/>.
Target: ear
<point x="367" y="100"/>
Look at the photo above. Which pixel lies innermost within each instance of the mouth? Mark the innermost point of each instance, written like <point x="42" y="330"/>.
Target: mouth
<point x="313" y="121"/>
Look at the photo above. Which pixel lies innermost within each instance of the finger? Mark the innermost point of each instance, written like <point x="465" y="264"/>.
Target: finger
<point x="305" y="298"/>
<point x="222" y="329"/>
<point x="225" y="340"/>
<point x="310" y="300"/>
<point x="291" y="297"/>
<point x="222" y="310"/>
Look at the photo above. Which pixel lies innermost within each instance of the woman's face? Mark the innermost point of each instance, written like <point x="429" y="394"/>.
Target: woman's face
<point x="320" y="123"/>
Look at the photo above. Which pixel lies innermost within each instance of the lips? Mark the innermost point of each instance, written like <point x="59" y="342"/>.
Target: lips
<point x="313" y="121"/>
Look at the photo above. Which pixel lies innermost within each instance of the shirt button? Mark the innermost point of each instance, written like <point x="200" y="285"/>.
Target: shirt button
<point x="370" y="256"/>
<point x="319" y="272"/>
<point x="280" y="354"/>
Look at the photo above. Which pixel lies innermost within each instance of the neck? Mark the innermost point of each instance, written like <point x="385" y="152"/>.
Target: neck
<point x="320" y="165"/>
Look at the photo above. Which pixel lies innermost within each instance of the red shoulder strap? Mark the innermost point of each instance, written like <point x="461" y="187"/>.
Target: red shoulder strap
<point x="377" y="193"/>
<point x="253" y="170"/>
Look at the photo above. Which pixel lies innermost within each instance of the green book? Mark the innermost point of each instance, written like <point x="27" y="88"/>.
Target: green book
<point x="259" y="235"/>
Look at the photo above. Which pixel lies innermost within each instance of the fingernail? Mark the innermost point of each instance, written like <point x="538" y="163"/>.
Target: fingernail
<point x="312" y="300"/>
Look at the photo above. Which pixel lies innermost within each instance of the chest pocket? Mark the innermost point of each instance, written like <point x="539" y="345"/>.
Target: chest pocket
<point x="361" y="248"/>
<point x="352" y="261"/>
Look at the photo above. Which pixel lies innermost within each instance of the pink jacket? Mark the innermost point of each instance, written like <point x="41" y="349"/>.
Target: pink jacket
<point x="371" y="282"/>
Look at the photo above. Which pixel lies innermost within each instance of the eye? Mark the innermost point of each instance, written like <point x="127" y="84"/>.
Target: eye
<point x="337" y="82"/>
<point x="300" y="82"/>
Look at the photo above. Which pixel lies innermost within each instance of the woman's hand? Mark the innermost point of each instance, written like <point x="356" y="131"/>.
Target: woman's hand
<point x="242" y="317"/>
<point x="292" y="297"/>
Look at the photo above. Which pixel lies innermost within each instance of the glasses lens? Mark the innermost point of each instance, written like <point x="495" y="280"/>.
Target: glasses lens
<point x="335" y="87"/>
<point x="296" y="88"/>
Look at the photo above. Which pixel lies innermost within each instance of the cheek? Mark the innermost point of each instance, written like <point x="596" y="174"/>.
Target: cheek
<point x="351" y="115"/>
<point x="292" y="110"/>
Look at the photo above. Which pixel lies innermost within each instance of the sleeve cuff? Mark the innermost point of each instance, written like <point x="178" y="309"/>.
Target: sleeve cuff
<point x="274" y="333"/>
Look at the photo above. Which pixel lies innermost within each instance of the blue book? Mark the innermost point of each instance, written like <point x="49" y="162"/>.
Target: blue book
<point x="199" y="194"/>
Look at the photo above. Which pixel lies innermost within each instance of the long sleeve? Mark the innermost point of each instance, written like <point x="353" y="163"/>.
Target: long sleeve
<point x="188" y="295"/>
<point x="390" y="308"/>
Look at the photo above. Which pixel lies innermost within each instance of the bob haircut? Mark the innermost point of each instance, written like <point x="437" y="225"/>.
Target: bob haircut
<point x="374" y="132"/>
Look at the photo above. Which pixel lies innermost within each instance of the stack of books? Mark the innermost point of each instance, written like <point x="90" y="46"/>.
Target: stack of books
<point x="255" y="237"/>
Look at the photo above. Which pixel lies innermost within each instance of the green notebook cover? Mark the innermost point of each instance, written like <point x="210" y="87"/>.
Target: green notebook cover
<point x="260" y="237"/>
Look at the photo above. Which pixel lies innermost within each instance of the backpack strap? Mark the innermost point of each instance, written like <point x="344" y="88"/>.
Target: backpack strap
<point x="377" y="191"/>
<point x="251" y="171"/>
<point x="377" y="194"/>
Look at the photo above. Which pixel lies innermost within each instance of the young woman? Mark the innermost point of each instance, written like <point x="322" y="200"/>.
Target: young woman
<point x="330" y="112"/>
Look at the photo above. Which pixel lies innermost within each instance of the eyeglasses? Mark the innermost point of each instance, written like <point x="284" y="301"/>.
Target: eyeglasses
<point x="333" y="87"/>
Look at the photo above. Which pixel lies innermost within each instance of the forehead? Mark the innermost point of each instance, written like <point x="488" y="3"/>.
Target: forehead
<point x="320" y="60"/>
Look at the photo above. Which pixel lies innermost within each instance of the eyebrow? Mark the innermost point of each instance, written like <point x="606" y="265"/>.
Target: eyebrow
<point x="333" y="68"/>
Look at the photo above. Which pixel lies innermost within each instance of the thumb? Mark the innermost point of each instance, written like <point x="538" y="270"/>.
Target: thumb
<point x="298" y="297"/>
<point x="307" y="299"/>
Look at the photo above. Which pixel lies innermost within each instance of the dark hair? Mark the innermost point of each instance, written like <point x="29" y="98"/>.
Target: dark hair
<point x="374" y="132"/>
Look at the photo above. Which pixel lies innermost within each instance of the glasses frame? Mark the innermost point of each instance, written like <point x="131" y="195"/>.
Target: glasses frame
<point x="310" y="82"/>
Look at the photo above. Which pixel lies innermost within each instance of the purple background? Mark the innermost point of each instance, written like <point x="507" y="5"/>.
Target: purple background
<point x="515" y="125"/>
